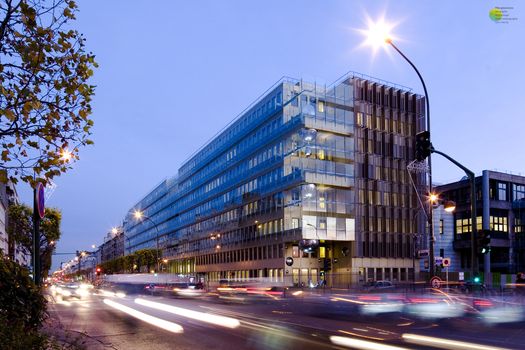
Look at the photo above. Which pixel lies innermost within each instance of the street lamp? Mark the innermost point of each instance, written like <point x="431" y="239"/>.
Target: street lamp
<point x="139" y="215"/>
<point x="378" y="34"/>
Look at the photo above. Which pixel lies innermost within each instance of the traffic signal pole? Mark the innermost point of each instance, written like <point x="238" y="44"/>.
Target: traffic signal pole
<point x="473" y="214"/>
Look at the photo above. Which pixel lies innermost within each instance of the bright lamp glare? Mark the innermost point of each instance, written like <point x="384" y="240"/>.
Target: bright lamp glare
<point x="138" y="214"/>
<point x="66" y="155"/>
<point x="378" y="33"/>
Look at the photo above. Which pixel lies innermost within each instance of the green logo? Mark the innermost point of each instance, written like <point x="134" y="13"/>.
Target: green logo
<point x="495" y="14"/>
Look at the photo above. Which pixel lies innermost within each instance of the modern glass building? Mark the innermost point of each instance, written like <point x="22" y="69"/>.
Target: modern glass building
<point x="310" y="182"/>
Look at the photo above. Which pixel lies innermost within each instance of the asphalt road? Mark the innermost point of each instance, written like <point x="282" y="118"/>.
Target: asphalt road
<point x="132" y="322"/>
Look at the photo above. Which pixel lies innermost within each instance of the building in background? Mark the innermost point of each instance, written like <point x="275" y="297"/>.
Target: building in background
<point x="4" y="205"/>
<point x="113" y="246"/>
<point x="310" y="182"/>
<point x="500" y="209"/>
<point x="17" y="252"/>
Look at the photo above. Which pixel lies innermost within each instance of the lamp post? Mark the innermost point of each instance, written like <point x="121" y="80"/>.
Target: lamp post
<point x="139" y="215"/>
<point x="65" y="156"/>
<point x="378" y="34"/>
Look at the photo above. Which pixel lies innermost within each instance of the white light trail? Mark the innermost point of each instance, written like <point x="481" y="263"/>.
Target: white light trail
<point x="446" y="343"/>
<point x="222" y="321"/>
<point x="362" y="344"/>
<point x="155" y="321"/>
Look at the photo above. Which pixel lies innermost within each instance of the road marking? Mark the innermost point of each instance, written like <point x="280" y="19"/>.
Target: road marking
<point x="217" y="320"/>
<point x="155" y="321"/>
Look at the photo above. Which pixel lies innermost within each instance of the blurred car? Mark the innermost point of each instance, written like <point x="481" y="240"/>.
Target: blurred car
<point x="469" y="287"/>
<point x="379" y="286"/>
<point x="71" y="290"/>
<point x="157" y="289"/>
<point x="188" y="290"/>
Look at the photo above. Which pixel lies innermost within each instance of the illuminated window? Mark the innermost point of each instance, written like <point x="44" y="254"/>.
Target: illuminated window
<point x="499" y="223"/>
<point x="369" y="121"/>
<point x="320" y="106"/>
<point x="359" y="118"/>
<point x="320" y="154"/>
<point x="322" y="252"/>
<point x="295" y="251"/>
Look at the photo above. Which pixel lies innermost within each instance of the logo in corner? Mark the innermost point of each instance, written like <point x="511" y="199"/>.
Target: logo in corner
<point x="495" y="14"/>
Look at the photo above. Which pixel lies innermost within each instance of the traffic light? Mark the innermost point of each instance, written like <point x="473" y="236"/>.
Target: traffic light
<point x="327" y="264"/>
<point x="484" y="241"/>
<point x="423" y="145"/>
<point x="98" y="270"/>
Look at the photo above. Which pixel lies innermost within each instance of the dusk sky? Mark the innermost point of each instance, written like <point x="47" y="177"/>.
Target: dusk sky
<point x="173" y="73"/>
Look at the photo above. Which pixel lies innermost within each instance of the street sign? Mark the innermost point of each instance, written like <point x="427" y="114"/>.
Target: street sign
<point x="446" y="262"/>
<point x="289" y="261"/>
<point x="435" y="282"/>
<point x="461" y="276"/>
<point x="40" y="200"/>
<point x="438" y="260"/>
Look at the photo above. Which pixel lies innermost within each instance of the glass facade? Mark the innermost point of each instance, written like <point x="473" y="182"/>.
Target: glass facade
<point x="302" y="162"/>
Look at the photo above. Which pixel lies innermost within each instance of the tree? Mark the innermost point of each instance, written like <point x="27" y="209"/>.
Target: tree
<point x="44" y="91"/>
<point x="22" y="308"/>
<point x="20" y="230"/>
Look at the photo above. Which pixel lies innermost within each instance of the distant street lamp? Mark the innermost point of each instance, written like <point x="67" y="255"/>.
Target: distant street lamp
<point x="139" y="215"/>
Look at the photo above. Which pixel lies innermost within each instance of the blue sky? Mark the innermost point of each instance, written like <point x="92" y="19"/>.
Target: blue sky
<point x="173" y="73"/>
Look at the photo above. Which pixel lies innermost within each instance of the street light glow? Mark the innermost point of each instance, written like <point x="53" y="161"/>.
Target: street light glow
<point x="433" y="198"/>
<point x="378" y="33"/>
<point x="65" y="155"/>
<point x="114" y="230"/>
<point x="138" y="214"/>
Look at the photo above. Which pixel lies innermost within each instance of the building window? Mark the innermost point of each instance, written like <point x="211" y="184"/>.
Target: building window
<point x="359" y="118"/>
<point x="519" y="225"/>
<point x="463" y="225"/>
<point x="295" y="223"/>
<point x="295" y="251"/>
<point x="441" y="226"/>
<point x="499" y="223"/>
<point x="518" y="192"/>
<point x="502" y="191"/>
<point x="320" y="106"/>
<point x="369" y="121"/>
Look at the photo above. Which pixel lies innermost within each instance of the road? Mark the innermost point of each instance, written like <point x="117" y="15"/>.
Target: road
<point x="309" y="322"/>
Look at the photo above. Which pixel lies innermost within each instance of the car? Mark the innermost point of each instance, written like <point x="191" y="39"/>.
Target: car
<point x="379" y="286"/>
<point x="469" y="287"/>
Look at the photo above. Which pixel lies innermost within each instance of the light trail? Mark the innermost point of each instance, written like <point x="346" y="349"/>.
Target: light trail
<point x="362" y="344"/>
<point x="217" y="320"/>
<point x="446" y="343"/>
<point x="155" y="321"/>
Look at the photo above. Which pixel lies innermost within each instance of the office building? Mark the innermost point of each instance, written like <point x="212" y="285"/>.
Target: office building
<point x="310" y="182"/>
<point x="501" y="210"/>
